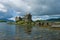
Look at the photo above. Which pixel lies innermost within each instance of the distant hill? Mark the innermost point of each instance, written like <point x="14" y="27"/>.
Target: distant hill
<point x="6" y="20"/>
<point x="54" y="19"/>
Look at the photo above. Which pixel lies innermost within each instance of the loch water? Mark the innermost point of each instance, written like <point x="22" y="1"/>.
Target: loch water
<point x="17" y="32"/>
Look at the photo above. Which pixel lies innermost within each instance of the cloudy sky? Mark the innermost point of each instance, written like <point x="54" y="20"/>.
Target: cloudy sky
<point x="40" y="9"/>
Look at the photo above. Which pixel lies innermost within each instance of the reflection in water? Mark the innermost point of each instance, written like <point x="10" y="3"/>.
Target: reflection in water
<point x="28" y="29"/>
<point x="16" y="32"/>
<point x="23" y="32"/>
<point x="35" y="33"/>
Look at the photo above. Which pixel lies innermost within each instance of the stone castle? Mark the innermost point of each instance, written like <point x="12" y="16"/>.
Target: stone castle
<point x="26" y="18"/>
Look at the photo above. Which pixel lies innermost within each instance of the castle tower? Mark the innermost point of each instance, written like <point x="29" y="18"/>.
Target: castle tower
<point x="28" y="17"/>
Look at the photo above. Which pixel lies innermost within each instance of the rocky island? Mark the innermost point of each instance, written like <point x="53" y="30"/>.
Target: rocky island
<point x="27" y="20"/>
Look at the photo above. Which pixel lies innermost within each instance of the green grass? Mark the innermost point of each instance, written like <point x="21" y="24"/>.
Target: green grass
<point x="24" y="23"/>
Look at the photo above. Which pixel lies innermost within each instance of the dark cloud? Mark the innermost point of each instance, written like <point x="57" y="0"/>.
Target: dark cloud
<point x="44" y="7"/>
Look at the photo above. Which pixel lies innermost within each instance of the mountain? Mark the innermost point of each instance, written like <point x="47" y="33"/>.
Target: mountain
<point x="54" y="19"/>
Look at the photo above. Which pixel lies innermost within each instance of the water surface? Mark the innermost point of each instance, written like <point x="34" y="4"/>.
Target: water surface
<point x="17" y="32"/>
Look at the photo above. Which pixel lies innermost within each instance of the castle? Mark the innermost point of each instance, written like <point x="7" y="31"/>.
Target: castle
<point x="26" y="18"/>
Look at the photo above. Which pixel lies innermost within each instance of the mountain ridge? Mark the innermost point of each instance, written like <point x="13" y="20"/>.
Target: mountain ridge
<point x="54" y="19"/>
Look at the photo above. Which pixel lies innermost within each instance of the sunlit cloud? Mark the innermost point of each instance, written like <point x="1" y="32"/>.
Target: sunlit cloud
<point x="12" y="18"/>
<point x="18" y="12"/>
<point x="2" y="8"/>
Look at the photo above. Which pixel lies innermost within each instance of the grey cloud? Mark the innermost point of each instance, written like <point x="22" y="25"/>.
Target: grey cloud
<point x="38" y="7"/>
<point x="52" y="7"/>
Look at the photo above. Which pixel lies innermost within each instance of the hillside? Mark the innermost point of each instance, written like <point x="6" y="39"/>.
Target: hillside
<point x="57" y="19"/>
